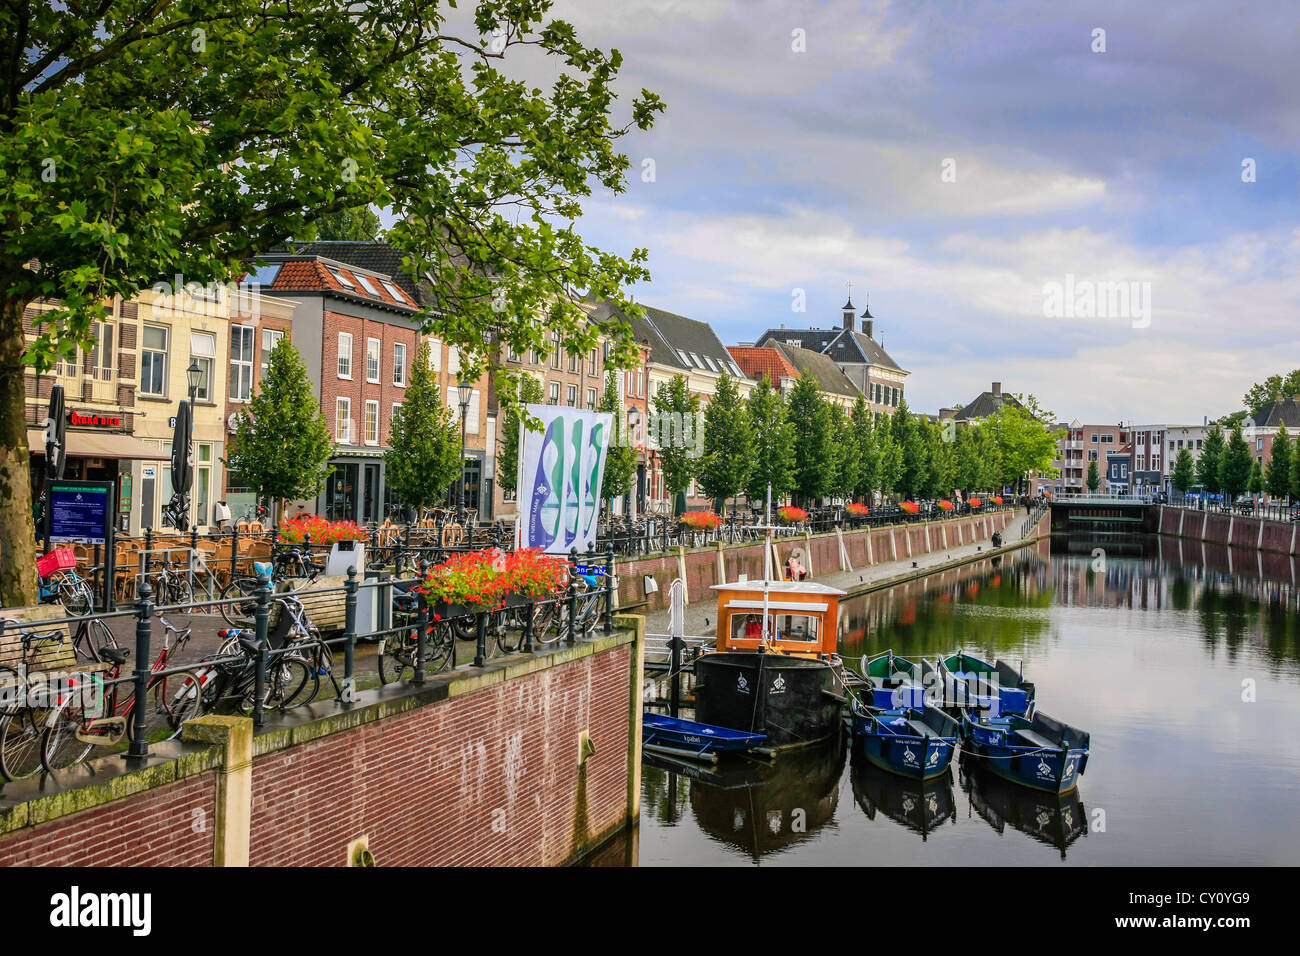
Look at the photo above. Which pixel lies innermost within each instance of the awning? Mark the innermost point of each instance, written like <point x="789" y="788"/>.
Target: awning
<point x="98" y="445"/>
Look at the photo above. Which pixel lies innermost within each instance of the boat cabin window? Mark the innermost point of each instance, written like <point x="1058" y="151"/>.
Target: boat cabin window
<point x="784" y="627"/>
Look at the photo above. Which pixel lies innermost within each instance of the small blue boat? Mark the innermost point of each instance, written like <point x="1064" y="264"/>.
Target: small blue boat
<point x="998" y="688"/>
<point x="895" y="681"/>
<point x="912" y="742"/>
<point x="1041" y="753"/>
<point x="692" y="738"/>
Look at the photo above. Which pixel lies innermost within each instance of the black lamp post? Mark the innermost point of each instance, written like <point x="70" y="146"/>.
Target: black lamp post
<point x="193" y="376"/>
<point x="466" y="390"/>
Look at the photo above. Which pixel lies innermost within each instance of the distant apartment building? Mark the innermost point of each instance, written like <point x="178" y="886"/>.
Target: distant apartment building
<point x="1077" y="447"/>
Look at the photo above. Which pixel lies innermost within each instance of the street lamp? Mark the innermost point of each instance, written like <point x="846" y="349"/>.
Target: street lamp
<point x="466" y="390"/>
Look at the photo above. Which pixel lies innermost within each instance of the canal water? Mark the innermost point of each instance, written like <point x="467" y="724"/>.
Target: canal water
<point x="1180" y="660"/>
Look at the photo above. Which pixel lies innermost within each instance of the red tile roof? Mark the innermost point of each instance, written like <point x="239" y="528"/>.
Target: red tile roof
<point x="314" y="275"/>
<point x="757" y="362"/>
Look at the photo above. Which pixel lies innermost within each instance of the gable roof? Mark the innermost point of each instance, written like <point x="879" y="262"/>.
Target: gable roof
<point x="688" y="344"/>
<point x="757" y="362"/>
<point x="983" y="405"/>
<point x="375" y="257"/>
<point x="1283" y="411"/>
<point x="844" y="346"/>
<point x="821" y="368"/>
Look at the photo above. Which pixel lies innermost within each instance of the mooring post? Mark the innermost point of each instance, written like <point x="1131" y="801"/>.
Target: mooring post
<point x="348" y="694"/>
<point x="262" y="620"/>
<point x="139" y="747"/>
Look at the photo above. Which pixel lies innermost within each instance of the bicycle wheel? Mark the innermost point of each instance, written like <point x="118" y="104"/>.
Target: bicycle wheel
<point x="180" y="698"/>
<point x="440" y="642"/>
<point x="75" y="596"/>
<point x="397" y="658"/>
<point x="20" y="742"/>
<point x="59" y="744"/>
<point x="93" y="636"/>
<point x="549" y="622"/>
<point x="509" y="627"/>
<point x="240" y="613"/>
<point x="293" y="681"/>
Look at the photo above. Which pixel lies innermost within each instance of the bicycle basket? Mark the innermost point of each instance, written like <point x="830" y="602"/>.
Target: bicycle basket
<point x="60" y="559"/>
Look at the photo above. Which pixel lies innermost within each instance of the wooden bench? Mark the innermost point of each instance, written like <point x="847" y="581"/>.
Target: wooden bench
<point x="322" y="599"/>
<point x="1034" y="739"/>
<point x="44" y="619"/>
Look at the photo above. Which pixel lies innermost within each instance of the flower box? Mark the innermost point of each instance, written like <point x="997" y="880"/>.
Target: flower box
<point x="997" y="499"/>
<point x="857" y="509"/>
<point x="909" y="507"/>
<point x="321" y="531"/>
<point x="974" y="502"/>
<point x="701" y="520"/>
<point x="792" y="515"/>
<point x="945" y="505"/>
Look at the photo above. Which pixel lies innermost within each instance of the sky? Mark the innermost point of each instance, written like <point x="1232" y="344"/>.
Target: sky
<point x="982" y="171"/>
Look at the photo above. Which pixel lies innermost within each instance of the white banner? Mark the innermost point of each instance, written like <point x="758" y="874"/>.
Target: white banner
<point x="561" y="468"/>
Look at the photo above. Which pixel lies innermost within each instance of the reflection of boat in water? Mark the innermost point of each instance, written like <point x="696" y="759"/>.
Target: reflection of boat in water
<point x="1055" y="819"/>
<point x="921" y="806"/>
<point x="796" y="797"/>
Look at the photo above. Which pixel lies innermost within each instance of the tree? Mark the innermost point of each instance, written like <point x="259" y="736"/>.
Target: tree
<point x="1235" y="466"/>
<point x="914" y="461"/>
<point x="1094" y="476"/>
<point x="620" y="460"/>
<point x="1278" y="479"/>
<point x="862" y="433"/>
<point x="528" y="391"/>
<point x="848" y="453"/>
<point x="1025" y="444"/>
<point x="423" y="457"/>
<point x="679" y="442"/>
<point x="1262" y="394"/>
<point x="941" y="476"/>
<point x="281" y="444"/>
<point x="890" y="466"/>
<point x="359" y="224"/>
<point x="773" y="441"/>
<point x="1207" y="466"/>
<point x="142" y="141"/>
<point x="728" y="443"/>
<point x="809" y="414"/>
<point x="1256" y="482"/>
<point x="1184" y="474"/>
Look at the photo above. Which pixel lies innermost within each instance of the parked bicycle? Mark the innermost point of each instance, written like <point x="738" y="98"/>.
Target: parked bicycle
<point x="25" y="714"/>
<point x="239" y="596"/>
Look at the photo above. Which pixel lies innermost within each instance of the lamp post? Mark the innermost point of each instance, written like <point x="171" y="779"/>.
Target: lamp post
<point x="193" y="376"/>
<point x="466" y="390"/>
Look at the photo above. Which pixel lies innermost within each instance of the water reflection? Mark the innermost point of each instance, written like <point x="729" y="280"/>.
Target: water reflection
<point x="920" y="806"/>
<point x="1055" y="819"/>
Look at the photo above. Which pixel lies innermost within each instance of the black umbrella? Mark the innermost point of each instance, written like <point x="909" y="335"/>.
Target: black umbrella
<point x="56" y="442"/>
<point x="182" y="451"/>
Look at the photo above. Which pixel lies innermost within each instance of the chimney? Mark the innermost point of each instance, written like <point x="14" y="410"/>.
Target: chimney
<point x="997" y="389"/>
<point x="848" y="315"/>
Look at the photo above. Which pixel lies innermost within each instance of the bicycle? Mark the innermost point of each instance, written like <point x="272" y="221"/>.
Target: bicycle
<point x="97" y="712"/>
<point x="22" y="724"/>
<point x="70" y="589"/>
<point x="397" y="650"/>
<point x="290" y="563"/>
<point x="228" y="680"/>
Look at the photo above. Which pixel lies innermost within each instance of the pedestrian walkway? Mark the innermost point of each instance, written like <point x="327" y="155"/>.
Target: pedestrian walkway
<point x="701" y="615"/>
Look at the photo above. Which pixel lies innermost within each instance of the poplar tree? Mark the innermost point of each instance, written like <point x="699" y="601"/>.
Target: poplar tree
<point x="1235" y="466"/>
<point x="620" y="460"/>
<point x="423" y="457"/>
<point x="1184" y="473"/>
<point x="679" y="444"/>
<point x="1094" y="476"/>
<point x="848" y="454"/>
<point x="862" y="424"/>
<point x="1207" y="466"/>
<point x="1279" y="466"/>
<point x="728" y="443"/>
<point x="282" y="445"/>
<point x="773" y="441"/>
<point x="809" y="414"/>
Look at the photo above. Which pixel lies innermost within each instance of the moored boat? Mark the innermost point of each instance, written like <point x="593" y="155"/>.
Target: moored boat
<point x="911" y="742"/>
<point x="1041" y="753"/>
<point x="691" y="737"/>
<point x="895" y="681"/>
<point x="775" y="670"/>
<point x="973" y="683"/>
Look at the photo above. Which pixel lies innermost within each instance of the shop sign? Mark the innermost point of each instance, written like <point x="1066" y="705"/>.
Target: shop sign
<point x="95" y="420"/>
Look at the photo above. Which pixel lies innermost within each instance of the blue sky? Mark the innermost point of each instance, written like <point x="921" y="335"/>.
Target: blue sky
<point x="777" y="170"/>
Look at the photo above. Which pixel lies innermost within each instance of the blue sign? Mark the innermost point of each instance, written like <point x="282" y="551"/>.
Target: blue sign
<point x="80" y="511"/>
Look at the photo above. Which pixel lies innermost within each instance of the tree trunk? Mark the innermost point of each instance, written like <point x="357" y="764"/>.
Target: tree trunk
<point x="17" y="530"/>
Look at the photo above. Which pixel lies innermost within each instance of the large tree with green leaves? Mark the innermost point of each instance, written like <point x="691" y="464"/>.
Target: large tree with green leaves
<point x="527" y="391"/>
<point x="862" y="432"/>
<point x="1184" y="473"/>
<point x="139" y="141"/>
<point x="910" y="438"/>
<point x="620" y="460"/>
<point x="282" y="444"/>
<point x="1261" y="394"/>
<point x="1235" y="466"/>
<point x="1278" y="477"/>
<point x="1207" y="466"/>
<point x="814" y="456"/>
<point x="1026" y="444"/>
<point x="848" y="453"/>
<point x="728" y="443"/>
<point x="679" y="440"/>
<point x="423" y="457"/>
<point x="773" y="444"/>
<point x="351" y="225"/>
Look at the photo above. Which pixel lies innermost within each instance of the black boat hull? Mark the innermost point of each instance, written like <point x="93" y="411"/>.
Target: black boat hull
<point x="793" y="700"/>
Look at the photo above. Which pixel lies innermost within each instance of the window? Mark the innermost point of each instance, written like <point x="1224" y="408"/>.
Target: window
<point x="555" y="393"/>
<point x="1259" y="444"/>
<point x="471" y="411"/>
<point x="453" y="359"/>
<point x="1198" y="444"/>
<point x="574" y="359"/>
<point x="372" y="423"/>
<point x="591" y="363"/>
<point x="344" y="280"/>
<point x="153" y="360"/>
<point x="399" y="364"/>
<point x="203" y="483"/>
<point x="270" y="339"/>
<point x="343" y="421"/>
<point x="573" y="395"/>
<point x="712" y="366"/>
<point x="435" y="355"/>
<point x="695" y="360"/>
<point x="557" y="352"/>
<point x="591" y="398"/>
<point x="101" y="353"/>
<point x="372" y="360"/>
<point x="367" y="285"/>
<point x="203" y="351"/>
<point x="345" y="355"/>
<point x="395" y="292"/>
<point x="512" y="354"/>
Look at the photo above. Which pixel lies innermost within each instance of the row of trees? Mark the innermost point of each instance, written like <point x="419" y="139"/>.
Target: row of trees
<point x="1226" y="467"/>
<point x="807" y="446"/>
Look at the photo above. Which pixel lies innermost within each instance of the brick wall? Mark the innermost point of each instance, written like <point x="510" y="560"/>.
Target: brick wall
<point x="490" y="778"/>
<point x="357" y="389"/>
<point x="168" y="826"/>
<point x="1238" y="531"/>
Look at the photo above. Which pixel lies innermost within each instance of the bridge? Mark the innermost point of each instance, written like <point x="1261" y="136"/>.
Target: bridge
<point x="1111" y="512"/>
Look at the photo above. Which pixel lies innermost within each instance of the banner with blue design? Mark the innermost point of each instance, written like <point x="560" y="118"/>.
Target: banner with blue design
<point x="561" y="467"/>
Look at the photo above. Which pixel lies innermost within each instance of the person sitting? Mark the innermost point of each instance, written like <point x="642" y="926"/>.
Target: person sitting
<point x="797" y="571"/>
